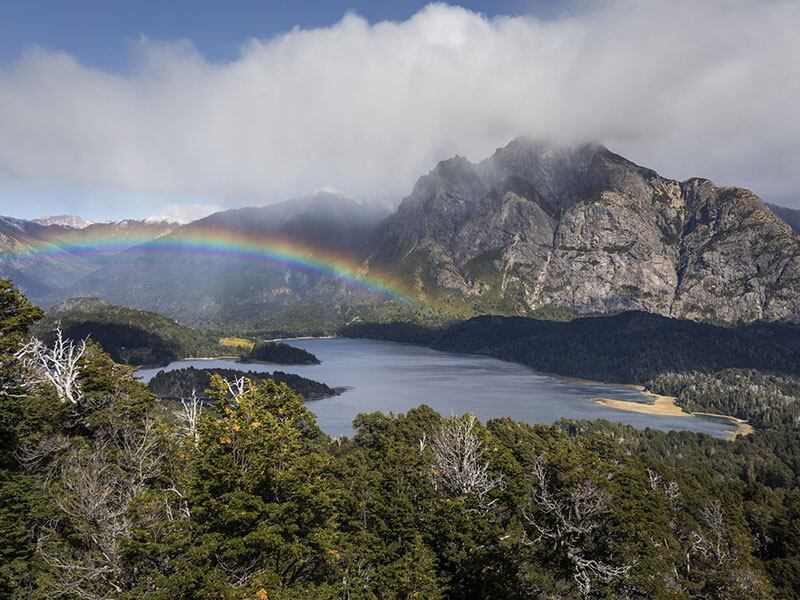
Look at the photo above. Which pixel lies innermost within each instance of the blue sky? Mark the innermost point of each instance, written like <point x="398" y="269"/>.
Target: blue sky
<point x="98" y="31"/>
<point x="113" y="109"/>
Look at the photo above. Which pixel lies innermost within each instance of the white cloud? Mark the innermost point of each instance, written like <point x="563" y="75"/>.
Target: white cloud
<point x="706" y="88"/>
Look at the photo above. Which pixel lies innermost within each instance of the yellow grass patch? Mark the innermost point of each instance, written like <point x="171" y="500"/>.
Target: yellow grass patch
<point x="234" y="342"/>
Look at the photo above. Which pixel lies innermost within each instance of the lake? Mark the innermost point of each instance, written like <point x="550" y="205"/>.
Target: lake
<point x="392" y="377"/>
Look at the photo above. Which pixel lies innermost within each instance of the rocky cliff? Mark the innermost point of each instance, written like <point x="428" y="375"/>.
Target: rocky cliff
<point x="542" y="229"/>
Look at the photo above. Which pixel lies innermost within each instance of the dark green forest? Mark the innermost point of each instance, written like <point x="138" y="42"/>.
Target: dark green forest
<point x="107" y="493"/>
<point x="129" y="336"/>
<point x="179" y="383"/>
<point x="630" y="347"/>
<point x="279" y="353"/>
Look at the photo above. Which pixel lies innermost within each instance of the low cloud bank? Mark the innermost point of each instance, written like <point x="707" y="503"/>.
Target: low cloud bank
<point x="689" y="88"/>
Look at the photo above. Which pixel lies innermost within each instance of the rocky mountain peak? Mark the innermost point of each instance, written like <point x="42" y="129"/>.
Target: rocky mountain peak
<point x="538" y="226"/>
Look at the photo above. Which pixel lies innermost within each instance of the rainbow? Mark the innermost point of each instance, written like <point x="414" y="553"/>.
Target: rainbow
<point x="222" y="243"/>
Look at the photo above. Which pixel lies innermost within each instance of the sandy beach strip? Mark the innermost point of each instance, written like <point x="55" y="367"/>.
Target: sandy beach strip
<point x="665" y="406"/>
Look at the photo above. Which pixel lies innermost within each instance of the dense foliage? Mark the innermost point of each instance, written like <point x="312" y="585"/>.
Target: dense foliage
<point x="129" y="336"/>
<point x="113" y="496"/>
<point x="765" y="399"/>
<point x="630" y="347"/>
<point x="179" y="383"/>
<point x="279" y="353"/>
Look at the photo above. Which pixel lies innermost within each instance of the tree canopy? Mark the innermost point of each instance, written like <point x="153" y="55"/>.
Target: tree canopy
<point x="116" y="495"/>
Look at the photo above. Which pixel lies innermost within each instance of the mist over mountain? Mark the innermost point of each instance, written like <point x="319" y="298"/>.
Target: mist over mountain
<point x="535" y="229"/>
<point x="589" y="71"/>
<point x="328" y="218"/>
<point x="46" y="257"/>
<point x="212" y="289"/>
<point x="538" y="227"/>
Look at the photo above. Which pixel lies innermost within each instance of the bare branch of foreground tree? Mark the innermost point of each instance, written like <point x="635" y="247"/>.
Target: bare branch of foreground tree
<point x="190" y="416"/>
<point x="569" y="520"/>
<point x="236" y="388"/>
<point x="57" y="366"/>
<point x="459" y="466"/>
<point x="711" y="541"/>
<point x="94" y="493"/>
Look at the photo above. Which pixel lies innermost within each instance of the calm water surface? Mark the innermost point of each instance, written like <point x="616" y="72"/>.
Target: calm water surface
<point x="391" y="377"/>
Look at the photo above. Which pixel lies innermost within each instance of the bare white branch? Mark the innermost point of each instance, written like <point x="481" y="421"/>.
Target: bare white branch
<point x="57" y="366"/>
<point x="41" y="456"/>
<point x="712" y="541"/>
<point x="458" y="464"/>
<point x="654" y="479"/>
<point x="97" y="487"/>
<point x="236" y="388"/>
<point x="673" y="493"/>
<point x="568" y="520"/>
<point x="190" y="416"/>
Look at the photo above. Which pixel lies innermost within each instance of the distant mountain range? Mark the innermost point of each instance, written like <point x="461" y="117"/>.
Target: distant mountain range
<point x="71" y="221"/>
<point x="47" y="258"/>
<point x="213" y="288"/>
<point x="535" y="229"/>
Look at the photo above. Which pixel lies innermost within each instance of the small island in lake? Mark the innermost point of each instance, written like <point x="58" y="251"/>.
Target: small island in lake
<point x="180" y="382"/>
<point x="279" y="353"/>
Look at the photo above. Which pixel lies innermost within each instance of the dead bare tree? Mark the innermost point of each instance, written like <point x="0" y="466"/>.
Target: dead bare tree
<point x="141" y="455"/>
<point x="41" y="456"/>
<point x="190" y="416"/>
<point x="654" y="479"/>
<point x="183" y="504"/>
<point x="58" y="366"/>
<point x="356" y="578"/>
<point x="711" y="542"/>
<point x="96" y="488"/>
<point x="238" y="571"/>
<point x="93" y="498"/>
<point x="569" y="521"/>
<point x="673" y="493"/>
<point x="459" y="467"/>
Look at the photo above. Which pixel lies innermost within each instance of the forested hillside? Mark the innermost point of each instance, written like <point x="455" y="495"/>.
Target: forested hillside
<point x="104" y="493"/>
<point x="129" y="336"/>
<point x="630" y="347"/>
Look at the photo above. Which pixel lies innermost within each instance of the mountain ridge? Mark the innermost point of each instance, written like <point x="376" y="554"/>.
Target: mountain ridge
<point x="46" y="259"/>
<point x="535" y="229"/>
<point x="71" y="221"/>
<point x="584" y="231"/>
<point x="790" y="216"/>
<point x="211" y="289"/>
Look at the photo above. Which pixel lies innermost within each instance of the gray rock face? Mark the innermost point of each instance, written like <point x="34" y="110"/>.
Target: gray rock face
<point x="586" y="231"/>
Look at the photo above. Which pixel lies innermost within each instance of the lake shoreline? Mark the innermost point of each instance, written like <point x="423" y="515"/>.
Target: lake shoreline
<point x="667" y="406"/>
<point x="637" y="400"/>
